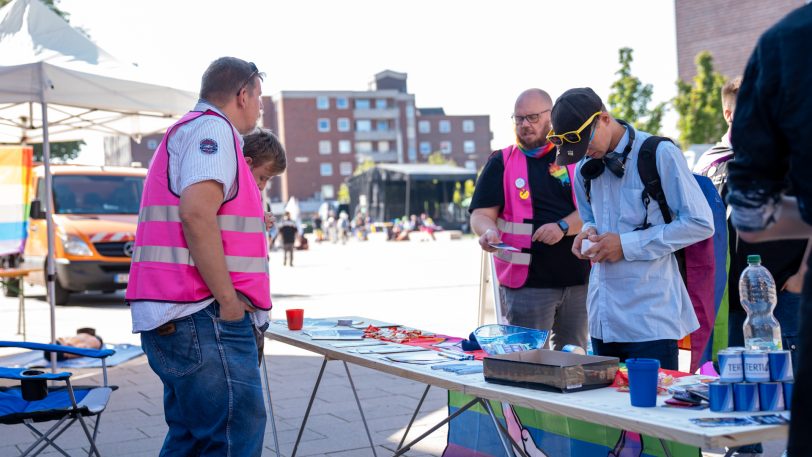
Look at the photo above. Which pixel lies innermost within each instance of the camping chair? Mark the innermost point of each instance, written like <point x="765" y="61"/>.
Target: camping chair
<point x="32" y="401"/>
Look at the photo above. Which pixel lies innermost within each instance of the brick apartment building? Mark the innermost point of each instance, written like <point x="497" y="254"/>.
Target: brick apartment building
<point x="328" y="133"/>
<point x="728" y="29"/>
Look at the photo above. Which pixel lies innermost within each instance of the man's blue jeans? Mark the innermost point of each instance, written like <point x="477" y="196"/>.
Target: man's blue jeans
<point x="213" y="400"/>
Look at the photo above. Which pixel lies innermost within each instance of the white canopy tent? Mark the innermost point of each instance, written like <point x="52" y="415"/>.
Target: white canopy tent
<point x="56" y="84"/>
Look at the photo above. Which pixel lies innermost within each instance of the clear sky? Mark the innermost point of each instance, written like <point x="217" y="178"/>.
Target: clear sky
<point x="470" y="57"/>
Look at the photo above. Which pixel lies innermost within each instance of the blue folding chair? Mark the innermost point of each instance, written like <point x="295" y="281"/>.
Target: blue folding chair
<point x="33" y="401"/>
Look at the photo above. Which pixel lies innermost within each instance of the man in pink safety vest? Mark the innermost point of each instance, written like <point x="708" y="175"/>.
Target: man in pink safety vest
<point x="524" y="200"/>
<point x="199" y="286"/>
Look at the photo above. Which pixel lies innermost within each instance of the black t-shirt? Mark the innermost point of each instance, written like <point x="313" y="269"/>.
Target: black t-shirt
<point x="288" y="232"/>
<point x="550" y="266"/>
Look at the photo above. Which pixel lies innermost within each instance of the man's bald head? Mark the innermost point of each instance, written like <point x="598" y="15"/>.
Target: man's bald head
<point x="534" y="96"/>
<point x="531" y="116"/>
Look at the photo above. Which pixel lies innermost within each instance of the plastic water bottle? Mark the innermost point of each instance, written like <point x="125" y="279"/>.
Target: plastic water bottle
<point x="757" y="294"/>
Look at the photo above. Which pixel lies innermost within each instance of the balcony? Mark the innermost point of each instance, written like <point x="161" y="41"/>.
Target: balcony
<point x="378" y="157"/>
<point x="376" y="113"/>
<point x="377" y="135"/>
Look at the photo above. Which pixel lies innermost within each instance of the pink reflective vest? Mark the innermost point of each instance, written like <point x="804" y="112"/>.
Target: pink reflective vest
<point x="162" y="268"/>
<point x="515" y="222"/>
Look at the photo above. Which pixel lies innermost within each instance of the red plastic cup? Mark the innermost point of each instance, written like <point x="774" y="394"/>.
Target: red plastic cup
<point x="295" y="318"/>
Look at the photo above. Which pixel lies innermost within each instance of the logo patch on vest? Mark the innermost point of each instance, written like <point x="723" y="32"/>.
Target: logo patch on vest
<point x="208" y="146"/>
<point x="519" y="183"/>
<point x="560" y="173"/>
<point x="524" y="194"/>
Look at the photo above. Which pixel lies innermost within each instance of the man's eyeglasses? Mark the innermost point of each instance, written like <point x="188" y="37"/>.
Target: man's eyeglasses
<point x="254" y="72"/>
<point x="570" y="137"/>
<point x="531" y="118"/>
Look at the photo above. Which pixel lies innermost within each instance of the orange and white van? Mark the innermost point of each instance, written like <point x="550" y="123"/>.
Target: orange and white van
<point x="95" y="215"/>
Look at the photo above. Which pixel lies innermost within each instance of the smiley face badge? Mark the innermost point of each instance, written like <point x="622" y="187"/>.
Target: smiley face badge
<point x="524" y="192"/>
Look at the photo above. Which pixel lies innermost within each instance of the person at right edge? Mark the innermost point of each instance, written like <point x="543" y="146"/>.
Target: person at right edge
<point x="784" y="259"/>
<point x="772" y="137"/>
<point x="637" y="301"/>
<point x="199" y="286"/>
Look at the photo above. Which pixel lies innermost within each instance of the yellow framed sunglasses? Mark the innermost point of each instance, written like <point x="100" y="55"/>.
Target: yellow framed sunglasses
<point x="570" y="137"/>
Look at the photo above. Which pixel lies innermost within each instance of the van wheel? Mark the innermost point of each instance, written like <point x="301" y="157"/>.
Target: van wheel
<point x="61" y="295"/>
<point x="11" y="287"/>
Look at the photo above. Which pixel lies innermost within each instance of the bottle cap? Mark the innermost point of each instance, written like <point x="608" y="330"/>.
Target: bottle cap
<point x="753" y="259"/>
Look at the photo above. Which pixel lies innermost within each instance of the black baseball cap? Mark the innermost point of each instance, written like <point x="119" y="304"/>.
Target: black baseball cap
<point x="569" y="113"/>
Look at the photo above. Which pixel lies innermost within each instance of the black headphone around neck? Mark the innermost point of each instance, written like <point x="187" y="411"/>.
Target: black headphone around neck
<point x="614" y="161"/>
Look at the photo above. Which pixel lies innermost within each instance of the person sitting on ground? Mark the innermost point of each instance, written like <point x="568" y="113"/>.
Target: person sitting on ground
<point x="427" y="225"/>
<point x="85" y="338"/>
<point x="265" y="155"/>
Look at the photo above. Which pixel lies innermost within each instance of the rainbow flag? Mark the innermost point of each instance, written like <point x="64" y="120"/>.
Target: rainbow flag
<point x="472" y="434"/>
<point x="15" y="189"/>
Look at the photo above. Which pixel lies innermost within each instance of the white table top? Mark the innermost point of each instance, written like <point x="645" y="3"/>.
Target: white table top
<point x="603" y="406"/>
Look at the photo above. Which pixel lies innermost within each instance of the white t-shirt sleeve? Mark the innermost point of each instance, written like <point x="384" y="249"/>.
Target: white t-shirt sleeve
<point x="206" y="153"/>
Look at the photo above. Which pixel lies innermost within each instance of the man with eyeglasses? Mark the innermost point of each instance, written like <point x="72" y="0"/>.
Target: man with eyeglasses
<point x="199" y="287"/>
<point x="637" y="301"/>
<point x="524" y="200"/>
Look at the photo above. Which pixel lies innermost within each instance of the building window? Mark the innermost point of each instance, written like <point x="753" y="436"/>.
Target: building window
<point x="363" y="147"/>
<point x="445" y="126"/>
<point x="326" y="169"/>
<point x="324" y="125"/>
<point x="467" y="126"/>
<point x="345" y="168"/>
<point x="409" y="111"/>
<point x="152" y="144"/>
<point x="383" y="146"/>
<point x="343" y="124"/>
<point x="424" y="127"/>
<point x="425" y="148"/>
<point x="342" y="103"/>
<point x="470" y="164"/>
<point x="344" y="146"/>
<point x="325" y="147"/>
<point x="469" y="147"/>
<point x="382" y="126"/>
<point x="380" y="103"/>
<point x="322" y="102"/>
<point x="328" y="191"/>
<point x="363" y="125"/>
<point x="362" y="103"/>
<point x="445" y="147"/>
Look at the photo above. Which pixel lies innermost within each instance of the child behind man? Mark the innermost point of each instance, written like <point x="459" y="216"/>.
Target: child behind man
<point x="265" y="155"/>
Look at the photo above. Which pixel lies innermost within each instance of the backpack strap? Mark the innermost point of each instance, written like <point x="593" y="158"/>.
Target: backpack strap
<point x="653" y="189"/>
<point x="652" y="185"/>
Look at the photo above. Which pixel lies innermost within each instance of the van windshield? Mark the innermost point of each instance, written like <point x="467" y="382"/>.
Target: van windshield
<point x="93" y="194"/>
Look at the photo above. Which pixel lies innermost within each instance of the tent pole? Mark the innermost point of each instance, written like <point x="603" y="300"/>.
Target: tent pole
<point x="50" y="274"/>
<point x="408" y="195"/>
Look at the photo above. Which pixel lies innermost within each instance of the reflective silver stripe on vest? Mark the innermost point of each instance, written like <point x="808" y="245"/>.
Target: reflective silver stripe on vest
<point x="514" y="228"/>
<point x="226" y="222"/>
<point x="166" y="254"/>
<point x="516" y="258"/>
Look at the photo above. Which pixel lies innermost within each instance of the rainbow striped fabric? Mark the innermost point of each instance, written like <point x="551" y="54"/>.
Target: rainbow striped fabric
<point x="15" y="189"/>
<point x="472" y="434"/>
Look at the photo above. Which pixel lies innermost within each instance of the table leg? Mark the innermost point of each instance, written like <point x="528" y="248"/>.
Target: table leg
<point x="270" y="405"/>
<point x="309" y="405"/>
<point x="360" y="410"/>
<point x="500" y="430"/>
<point x="21" y="309"/>
<point x="665" y="448"/>
<point x="414" y="416"/>
<point x="406" y="448"/>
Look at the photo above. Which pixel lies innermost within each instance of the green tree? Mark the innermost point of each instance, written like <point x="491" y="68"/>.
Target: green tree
<point x="630" y="98"/>
<point x="699" y="105"/>
<point x="63" y="151"/>
<point x="438" y="158"/>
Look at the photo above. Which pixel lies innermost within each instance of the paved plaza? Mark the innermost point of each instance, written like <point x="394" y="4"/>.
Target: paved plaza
<point x="429" y="285"/>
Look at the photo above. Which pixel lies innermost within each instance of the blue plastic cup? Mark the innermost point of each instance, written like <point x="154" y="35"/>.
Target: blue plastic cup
<point x="643" y="381"/>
